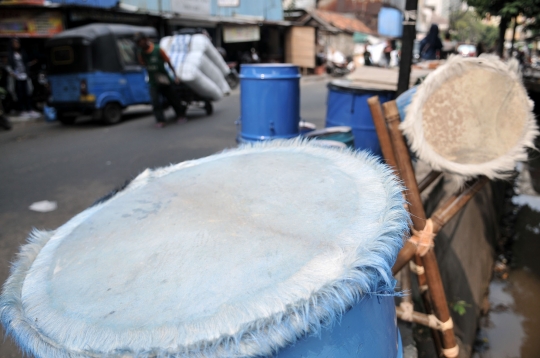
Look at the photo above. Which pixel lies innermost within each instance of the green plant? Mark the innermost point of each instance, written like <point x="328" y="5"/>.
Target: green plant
<point x="460" y="307"/>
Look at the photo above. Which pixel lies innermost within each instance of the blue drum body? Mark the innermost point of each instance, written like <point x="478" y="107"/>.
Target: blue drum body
<point x="269" y="102"/>
<point x="367" y="330"/>
<point x="404" y="100"/>
<point x="347" y="106"/>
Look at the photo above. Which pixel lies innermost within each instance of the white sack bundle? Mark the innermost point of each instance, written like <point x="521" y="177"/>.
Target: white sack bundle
<point x="195" y="43"/>
<point x="193" y="77"/>
<point x="199" y="60"/>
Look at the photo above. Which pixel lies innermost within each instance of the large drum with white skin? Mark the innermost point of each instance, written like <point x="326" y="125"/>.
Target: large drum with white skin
<point x="276" y="249"/>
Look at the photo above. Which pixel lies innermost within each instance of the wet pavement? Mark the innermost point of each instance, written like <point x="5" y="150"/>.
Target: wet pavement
<point x="512" y="326"/>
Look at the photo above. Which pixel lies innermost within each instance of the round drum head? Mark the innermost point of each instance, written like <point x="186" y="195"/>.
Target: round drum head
<point x="237" y="254"/>
<point x="471" y="117"/>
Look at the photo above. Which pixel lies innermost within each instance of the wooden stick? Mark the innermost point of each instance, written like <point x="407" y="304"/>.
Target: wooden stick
<point x="428" y="180"/>
<point x="441" y="217"/>
<point x="455" y="203"/>
<point x="418" y="218"/>
<point x="382" y="131"/>
<point x="420" y="318"/>
<point x="389" y="155"/>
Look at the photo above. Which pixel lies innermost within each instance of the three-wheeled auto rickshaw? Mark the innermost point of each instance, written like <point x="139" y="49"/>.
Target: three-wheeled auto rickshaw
<point x="94" y="70"/>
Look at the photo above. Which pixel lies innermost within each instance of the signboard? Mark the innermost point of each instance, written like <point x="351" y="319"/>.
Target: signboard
<point x="228" y="3"/>
<point x="26" y="23"/>
<point x="23" y="2"/>
<point x="241" y="33"/>
<point x="104" y="16"/>
<point x="191" y="7"/>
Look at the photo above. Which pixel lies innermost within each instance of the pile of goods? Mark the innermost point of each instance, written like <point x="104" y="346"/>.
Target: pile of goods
<point x="198" y="64"/>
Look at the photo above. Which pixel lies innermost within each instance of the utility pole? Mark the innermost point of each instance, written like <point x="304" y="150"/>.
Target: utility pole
<point x="407" y="44"/>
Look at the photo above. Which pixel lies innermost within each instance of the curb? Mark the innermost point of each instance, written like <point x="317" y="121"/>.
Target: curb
<point x="314" y="78"/>
<point x="18" y="120"/>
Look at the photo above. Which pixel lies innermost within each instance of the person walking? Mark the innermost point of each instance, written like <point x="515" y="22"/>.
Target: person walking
<point x="154" y="58"/>
<point x="449" y="46"/>
<point x="431" y="45"/>
<point x="388" y="53"/>
<point x="17" y="68"/>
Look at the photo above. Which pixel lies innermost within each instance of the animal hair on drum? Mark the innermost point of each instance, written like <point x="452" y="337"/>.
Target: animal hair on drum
<point x="235" y="255"/>
<point x="471" y="117"/>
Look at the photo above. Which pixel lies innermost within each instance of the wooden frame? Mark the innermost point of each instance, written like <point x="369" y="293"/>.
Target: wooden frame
<point x="396" y="154"/>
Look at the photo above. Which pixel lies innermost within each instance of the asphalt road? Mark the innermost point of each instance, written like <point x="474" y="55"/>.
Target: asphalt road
<point x="75" y="166"/>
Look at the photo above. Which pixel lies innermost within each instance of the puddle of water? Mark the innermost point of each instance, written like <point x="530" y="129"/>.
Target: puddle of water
<point x="512" y="328"/>
<point x="531" y="200"/>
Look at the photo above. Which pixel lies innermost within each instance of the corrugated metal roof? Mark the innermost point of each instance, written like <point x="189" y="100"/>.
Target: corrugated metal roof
<point x="338" y="21"/>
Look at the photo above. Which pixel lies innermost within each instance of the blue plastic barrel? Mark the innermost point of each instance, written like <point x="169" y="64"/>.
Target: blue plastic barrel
<point x="404" y="100"/>
<point x="347" y="106"/>
<point x="368" y="329"/>
<point x="269" y="102"/>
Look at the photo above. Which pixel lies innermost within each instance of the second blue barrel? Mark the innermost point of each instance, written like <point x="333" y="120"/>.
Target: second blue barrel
<point x="347" y="106"/>
<point x="269" y="102"/>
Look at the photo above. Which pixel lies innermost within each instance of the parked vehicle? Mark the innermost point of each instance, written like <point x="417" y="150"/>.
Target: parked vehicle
<point x="233" y="79"/>
<point x="467" y="50"/>
<point x="338" y="65"/>
<point x="4" y="121"/>
<point x="94" y="70"/>
<point x="41" y="92"/>
<point x="339" y="69"/>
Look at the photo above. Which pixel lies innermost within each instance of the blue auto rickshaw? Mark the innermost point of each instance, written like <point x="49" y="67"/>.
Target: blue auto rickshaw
<point x="93" y="70"/>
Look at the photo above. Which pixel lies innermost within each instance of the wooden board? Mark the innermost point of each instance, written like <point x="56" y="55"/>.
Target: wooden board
<point x="300" y="46"/>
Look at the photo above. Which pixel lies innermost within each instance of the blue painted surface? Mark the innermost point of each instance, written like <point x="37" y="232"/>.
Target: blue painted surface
<point x="390" y="22"/>
<point x="268" y="9"/>
<point x="367" y="330"/>
<point x="92" y="3"/>
<point x="404" y="100"/>
<point x="127" y="88"/>
<point x="151" y="5"/>
<point x="347" y="106"/>
<point x="269" y="101"/>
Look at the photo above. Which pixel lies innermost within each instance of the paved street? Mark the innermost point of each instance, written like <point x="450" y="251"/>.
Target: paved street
<point x="76" y="165"/>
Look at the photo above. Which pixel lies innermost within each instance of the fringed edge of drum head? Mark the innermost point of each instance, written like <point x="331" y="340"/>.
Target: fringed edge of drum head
<point x="364" y="275"/>
<point x="499" y="168"/>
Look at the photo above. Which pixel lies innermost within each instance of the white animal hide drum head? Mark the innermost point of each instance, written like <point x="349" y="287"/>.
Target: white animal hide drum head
<point x="237" y="254"/>
<point x="471" y="117"/>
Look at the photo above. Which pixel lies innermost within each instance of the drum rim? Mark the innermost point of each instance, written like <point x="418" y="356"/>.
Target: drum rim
<point x="321" y="311"/>
<point x="499" y="168"/>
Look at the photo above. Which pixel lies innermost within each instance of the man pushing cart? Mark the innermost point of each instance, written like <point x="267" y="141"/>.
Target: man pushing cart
<point x="154" y="58"/>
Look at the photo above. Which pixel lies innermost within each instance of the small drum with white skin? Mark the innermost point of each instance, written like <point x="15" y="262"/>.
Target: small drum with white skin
<point x="281" y="248"/>
<point x="471" y="117"/>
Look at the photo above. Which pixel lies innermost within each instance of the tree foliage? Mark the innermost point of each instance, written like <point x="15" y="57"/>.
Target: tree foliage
<point x="506" y="8"/>
<point x="469" y="28"/>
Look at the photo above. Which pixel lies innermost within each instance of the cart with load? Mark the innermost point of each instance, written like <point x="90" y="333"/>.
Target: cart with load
<point x="200" y="68"/>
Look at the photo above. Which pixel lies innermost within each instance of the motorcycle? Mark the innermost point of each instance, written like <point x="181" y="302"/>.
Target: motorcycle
<point x="233" y="79"/>
<point x="5" y="99"/>
<point x="4" y="121"/>
<point x="337" y="65"/>
<point x="339" y="69"/>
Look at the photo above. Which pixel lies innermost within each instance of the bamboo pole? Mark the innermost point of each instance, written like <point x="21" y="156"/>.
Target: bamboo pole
<point x="382" y="131"/>
<point x="420" y="318"/>
<point x="442" y="215"/>
<point x="428" y="180"/>
<point x="418" y="217"/>
<point x="389" y="155"/>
